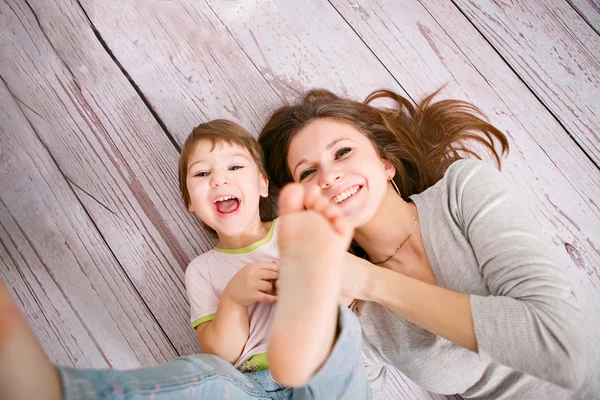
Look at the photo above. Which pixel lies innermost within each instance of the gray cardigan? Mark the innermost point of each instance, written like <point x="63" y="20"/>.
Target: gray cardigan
<point x="538" y="337"/>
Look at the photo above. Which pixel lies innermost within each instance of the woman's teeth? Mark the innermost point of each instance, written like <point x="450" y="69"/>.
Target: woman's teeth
<point x="345" y="194"/>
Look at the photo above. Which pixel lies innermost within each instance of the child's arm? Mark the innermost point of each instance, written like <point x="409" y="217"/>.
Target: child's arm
<point x="226" y="335"/>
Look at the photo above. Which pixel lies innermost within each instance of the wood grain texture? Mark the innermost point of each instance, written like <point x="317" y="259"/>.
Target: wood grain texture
<point x="299" y="45"/>
<point x="429" y="45"/>
<point x="112" y="151"/>
<point x="555" y="52"/>
<point x="196" y="61"/>
<point x="589" y="10"/>
<point x="79" y="302"/>
<point x="184" y="61"/>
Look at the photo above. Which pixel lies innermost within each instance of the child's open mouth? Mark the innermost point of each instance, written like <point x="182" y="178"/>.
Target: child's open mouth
<point x="227" y="204"/>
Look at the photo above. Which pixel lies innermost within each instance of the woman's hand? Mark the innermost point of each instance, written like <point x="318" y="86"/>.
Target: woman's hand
<point x="253" y="284"/>
<point x="357" y="277"/>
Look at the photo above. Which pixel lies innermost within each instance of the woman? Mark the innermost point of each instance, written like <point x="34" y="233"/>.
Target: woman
<point x="467" y="299"/>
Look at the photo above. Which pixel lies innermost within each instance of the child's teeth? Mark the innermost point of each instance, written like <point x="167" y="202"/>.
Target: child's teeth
<point x="224" y="198"/>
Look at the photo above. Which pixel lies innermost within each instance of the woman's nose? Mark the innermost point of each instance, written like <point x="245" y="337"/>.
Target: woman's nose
<point x="328" y="178"/>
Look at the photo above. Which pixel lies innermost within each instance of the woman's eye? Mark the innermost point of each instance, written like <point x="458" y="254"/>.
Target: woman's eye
<point x="235" y="167"/>
<point x="306" y="174"/>
<point x="342" y="152"/>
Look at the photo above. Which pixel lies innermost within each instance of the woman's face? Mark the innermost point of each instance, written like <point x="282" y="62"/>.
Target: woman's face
<point x="338" y="160"/>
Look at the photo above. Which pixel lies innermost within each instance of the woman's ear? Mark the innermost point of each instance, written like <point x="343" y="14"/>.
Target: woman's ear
<point x="264" y="186"/>
<point x="390" y="170"/>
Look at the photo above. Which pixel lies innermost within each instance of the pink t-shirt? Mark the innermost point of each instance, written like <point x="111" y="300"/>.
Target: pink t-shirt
<point x="207" y="276"/>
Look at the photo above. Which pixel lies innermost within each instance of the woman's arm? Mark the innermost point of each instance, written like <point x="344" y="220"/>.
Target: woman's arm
<point x="440" y="311"/>
<point x="531" y="321"/>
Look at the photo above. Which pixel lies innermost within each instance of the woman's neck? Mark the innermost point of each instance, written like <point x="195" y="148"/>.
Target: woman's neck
<point x="256" y="231"/>
<point x="392" y="223"/>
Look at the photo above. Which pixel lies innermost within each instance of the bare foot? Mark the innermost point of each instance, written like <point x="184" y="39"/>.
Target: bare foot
<point x="312" y="246"/>
<point x="25" y="370"/>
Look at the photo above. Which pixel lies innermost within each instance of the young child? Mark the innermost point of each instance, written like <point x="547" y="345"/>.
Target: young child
<point x="314" y="343"/>
<point x="231" y="288"/>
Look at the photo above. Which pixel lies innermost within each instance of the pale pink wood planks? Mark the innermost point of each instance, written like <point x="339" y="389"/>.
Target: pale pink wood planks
<point x="62" y="274"/>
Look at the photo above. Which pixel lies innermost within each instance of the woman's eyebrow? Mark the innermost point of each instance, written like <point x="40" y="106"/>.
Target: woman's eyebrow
<point x="333" y="143"/>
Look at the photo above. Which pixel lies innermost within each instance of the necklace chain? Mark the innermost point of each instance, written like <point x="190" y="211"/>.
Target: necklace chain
<point x="404" y="241"/>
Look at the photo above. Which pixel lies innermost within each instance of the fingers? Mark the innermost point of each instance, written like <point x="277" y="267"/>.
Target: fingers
<point x="266" y="293"/>
<point x="265" y="270"/>
<point x="291" y="198"/>
<point x="265" y="286"/>
<point x="270" y="266"/>
<point x="267" y="298"/>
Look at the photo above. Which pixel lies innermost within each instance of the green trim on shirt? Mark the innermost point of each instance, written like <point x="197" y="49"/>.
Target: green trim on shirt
<point x="253" y="246"/>
<point x="257" y="362"/>
<point x="203" y="320"/>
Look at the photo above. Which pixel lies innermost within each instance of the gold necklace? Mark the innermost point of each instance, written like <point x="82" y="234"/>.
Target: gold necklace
<point x="404" y="241"/>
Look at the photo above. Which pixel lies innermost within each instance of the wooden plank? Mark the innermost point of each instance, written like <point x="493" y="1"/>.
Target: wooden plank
<point x="184" y="61"/>
<point x="589" y="10"/>
<point x="122" y="166"/>
<point x="555" y="52"/>
<point x="300" y="45"/>
<point x="65" y="279"/>
<point x="430" y="44"/>
<point x="196" y="61"/>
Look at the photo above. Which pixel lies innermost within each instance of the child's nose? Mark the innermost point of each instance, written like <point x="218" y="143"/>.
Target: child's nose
<point x="219" y="179"/>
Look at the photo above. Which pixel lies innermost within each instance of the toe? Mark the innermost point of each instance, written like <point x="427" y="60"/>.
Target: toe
<point x="291" y="199"/>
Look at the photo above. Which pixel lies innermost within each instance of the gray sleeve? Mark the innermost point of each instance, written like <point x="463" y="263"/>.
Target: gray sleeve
<point x="531" y="321"/>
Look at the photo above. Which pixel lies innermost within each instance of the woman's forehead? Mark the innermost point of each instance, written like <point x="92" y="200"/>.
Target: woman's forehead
<point x="322" y="135"/>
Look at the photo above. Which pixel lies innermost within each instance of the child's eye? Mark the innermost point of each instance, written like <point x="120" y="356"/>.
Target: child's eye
<point x="235" y="167"/>
<point x="202" y="173"/>
<point x="342" y="152"/>
<point x="306" y="174"/>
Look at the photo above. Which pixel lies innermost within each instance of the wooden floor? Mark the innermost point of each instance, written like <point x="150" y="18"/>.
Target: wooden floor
<point x="97" y="96"/>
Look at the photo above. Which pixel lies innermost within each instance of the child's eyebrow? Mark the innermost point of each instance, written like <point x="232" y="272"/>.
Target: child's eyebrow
<point x="240" y="154"/>
<point x="194" y="163"/>
<point x="237" y="154"/>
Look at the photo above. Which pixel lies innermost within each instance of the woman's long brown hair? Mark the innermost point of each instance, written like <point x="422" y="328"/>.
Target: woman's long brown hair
<point x="421" y="142"/>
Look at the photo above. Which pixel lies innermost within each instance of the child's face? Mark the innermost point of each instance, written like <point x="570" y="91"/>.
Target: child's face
<point x="225" y="187"/>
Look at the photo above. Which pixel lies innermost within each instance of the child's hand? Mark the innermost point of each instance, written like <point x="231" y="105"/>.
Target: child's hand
<point x="253" y="284"/>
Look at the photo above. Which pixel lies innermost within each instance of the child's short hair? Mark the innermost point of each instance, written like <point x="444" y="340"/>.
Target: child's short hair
<point x="222" y="130"/>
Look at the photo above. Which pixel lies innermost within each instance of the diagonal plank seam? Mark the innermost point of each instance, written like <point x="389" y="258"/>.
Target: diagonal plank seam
<point x="130" y="79"/>
<point x="554" y="115"/>
<point x="93" y="222"/>
<point x="372" y="52"/>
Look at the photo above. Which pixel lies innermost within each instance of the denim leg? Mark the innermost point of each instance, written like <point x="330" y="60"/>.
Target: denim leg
<point x="342" y="376"/>
<point x="200" y="376"/>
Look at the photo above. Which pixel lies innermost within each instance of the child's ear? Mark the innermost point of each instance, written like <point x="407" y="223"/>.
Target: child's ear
<point x="264" y="186"/>
<point x="190" y="208"/>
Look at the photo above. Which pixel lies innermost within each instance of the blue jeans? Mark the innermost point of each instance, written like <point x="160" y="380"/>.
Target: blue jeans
<point x="204" y="376"/>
